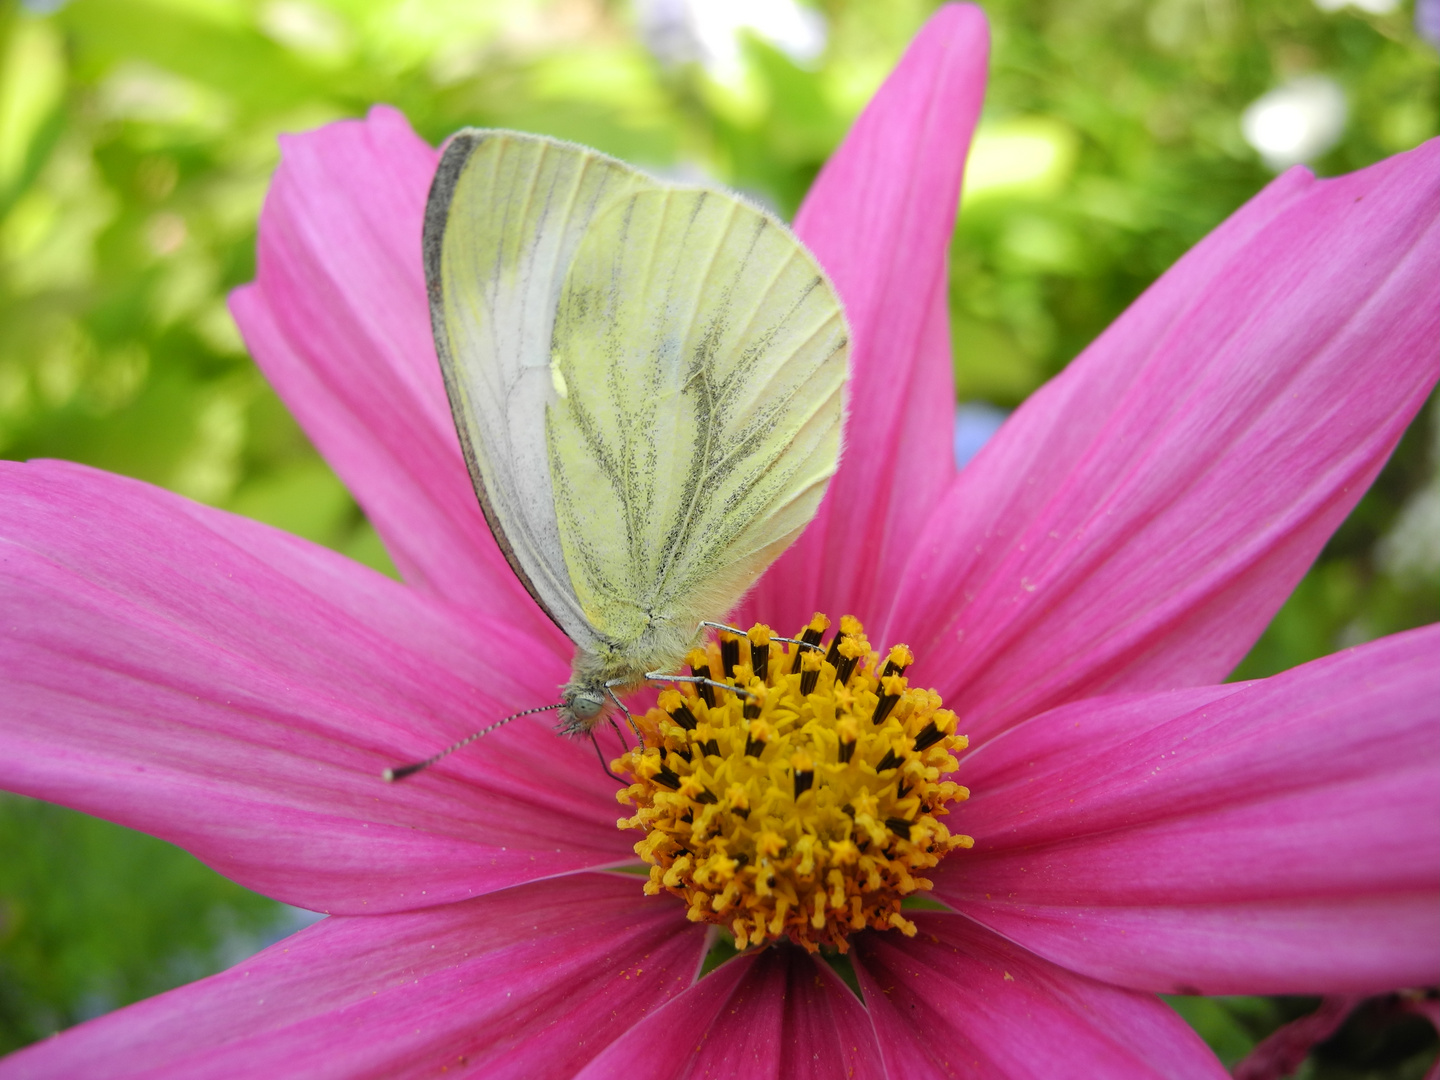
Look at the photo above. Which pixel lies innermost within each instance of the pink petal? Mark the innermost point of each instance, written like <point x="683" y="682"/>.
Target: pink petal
<point x="958" y="1001"/>
<point x="777" y="1013"/>
<point x="238" y="691"/>
<point x="879" y="218"/>
<point x="1274" y="837"/>
<point x="531" y="983"/>
<point x="1136" y="524"/>
<point x="338" y="320"/>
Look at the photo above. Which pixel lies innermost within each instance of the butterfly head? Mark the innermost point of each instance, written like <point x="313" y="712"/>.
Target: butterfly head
<point x="582" y="706"/>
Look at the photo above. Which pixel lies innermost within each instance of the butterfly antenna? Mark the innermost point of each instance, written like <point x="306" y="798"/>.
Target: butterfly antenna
<point x="598" y="753"/>
<point x="400" y="772"/>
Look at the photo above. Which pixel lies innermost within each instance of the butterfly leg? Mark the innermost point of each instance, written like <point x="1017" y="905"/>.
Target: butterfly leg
<point x="705" y="624"/>
<point x="660" y="676"/>
<point x="598" y="753"/>
<point x="620" y="735"/>
<point x="610" y="689"/>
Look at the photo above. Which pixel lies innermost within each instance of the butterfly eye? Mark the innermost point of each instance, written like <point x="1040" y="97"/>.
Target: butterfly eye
<point x="584" y="704"/>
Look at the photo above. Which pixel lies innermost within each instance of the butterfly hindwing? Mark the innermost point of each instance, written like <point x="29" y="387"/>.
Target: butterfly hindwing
<point x="702" y="357"/>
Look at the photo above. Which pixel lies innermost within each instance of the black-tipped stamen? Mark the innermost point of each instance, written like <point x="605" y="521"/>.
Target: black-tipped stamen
<point x="847" y="750"/>
<point x="729" y="655"/>
<point x="928" y="737"/>
<point x="684" y="717"/>
<point x="883" y="707"/>
<point x="700" y="676"/>
<point x="810" y="640"/>
<point x="899" y="826"/>
<point x="891" y="668"/>
<point x="400" y="772"/>
<point x="809" y="679"/>
<point x="760" y="660"/>
<point x="803" y="779"/>
<point x="889" y="761"/>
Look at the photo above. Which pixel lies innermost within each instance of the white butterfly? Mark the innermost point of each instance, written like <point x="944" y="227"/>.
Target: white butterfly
<point x="648" y="382"/>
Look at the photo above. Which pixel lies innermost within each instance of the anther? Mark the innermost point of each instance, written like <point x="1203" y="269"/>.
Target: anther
<point x="928" y="737"/>
<point x="891" y="689"/>
<point x="852" y="650"/>
<point x="760" y="651"/>
<point x="804" y="771"/>
<point x="674" y="704"/>
<point x="889" y="761"/>
<point x="809" y="672"/>
<point x="729" y="654"/>
<point x="900" y="658"/>
<point x="702" y="672"/>
<point x="899" y="826"/>
<point x="819" y="623"/>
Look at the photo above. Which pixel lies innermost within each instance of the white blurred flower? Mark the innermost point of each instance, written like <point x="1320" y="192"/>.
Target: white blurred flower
<point x="677" y="31"/>
<point x="1296" y="122"/>
<point x="1411" y="549"/>
<point x="305" y="28"/>
<point x="1374" y="7"/>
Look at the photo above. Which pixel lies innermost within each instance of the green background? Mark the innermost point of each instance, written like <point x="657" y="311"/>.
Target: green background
<point x="136" y="140"/>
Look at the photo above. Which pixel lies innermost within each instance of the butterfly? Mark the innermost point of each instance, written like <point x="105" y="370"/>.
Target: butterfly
<point x="648" y="381"/>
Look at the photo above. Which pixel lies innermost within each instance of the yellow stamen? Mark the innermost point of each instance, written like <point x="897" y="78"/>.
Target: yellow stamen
<point x="806" y="809"/>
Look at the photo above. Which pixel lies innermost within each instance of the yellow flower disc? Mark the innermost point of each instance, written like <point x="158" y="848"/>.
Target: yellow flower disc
<point x="806" y="807"/>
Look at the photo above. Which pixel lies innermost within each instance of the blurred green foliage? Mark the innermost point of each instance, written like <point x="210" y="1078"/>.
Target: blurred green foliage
<point x="93" y="916"/>
<point x="137" y="136"/>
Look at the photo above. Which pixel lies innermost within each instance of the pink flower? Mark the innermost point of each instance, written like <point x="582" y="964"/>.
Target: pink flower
<point x="1074" y="594"/>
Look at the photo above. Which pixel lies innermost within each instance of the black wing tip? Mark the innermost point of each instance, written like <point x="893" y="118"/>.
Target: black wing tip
<point x="437" y="204"/>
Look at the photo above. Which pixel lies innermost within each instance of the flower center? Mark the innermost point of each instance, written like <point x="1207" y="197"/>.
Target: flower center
<point x="805" y="807"/>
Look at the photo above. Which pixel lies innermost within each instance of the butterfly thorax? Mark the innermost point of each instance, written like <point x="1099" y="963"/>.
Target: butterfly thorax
<point x="620" y="666"/>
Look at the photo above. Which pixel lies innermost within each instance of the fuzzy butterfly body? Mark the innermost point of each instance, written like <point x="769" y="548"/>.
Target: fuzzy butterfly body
<point x="648" y="383"/>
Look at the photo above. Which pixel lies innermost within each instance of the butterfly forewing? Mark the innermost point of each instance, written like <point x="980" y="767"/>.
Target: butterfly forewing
<point x="702" y="356"/>
<point x="506" y="214"/>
